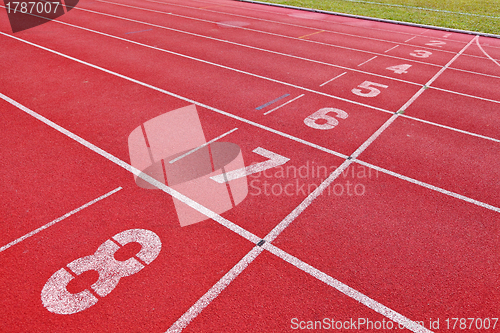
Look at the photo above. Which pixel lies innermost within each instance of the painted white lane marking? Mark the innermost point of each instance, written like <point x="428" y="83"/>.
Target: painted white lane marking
<point x="321" y="85"/>
<point x="48" y="225"/>
<point x="212" y="64"/>
<point x="332" y="152"/>
<point x="203" y="145"/>
<point x="270" y="51"/>
<point x="486" y="54"/>
<point x="430" y="187"/>
<point x="149" y="179"/>
<point x="361" y="64"/>
<point x="408" y="103"/>
<point x="274" y="161"/>
<point x="297" y="25"/>
<point x="406" y="41"/>
<point x="392" y="48"/>
<point x="252" y="30"/>
<point x="290" y="101"/>
<point x="278" y="229"/>
<point x="170" y="191"/>
<point x="182" y="98"/>
<point x="211" y="294"/>
<point x="346" y="290"/>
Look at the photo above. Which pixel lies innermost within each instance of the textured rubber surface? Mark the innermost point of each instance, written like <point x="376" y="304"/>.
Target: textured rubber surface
<point x="402" y="235"/>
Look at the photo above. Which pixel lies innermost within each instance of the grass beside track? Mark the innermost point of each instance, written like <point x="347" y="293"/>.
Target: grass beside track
<point x="473" y="15"/>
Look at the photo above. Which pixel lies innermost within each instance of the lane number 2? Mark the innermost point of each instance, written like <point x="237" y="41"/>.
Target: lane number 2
<point x="57" y="299"/>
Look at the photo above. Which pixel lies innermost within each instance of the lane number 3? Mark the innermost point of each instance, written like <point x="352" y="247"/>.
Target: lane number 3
<point x="57" y="299"/>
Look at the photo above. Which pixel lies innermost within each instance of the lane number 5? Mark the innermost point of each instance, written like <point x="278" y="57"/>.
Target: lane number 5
<point x="369" y="87"/>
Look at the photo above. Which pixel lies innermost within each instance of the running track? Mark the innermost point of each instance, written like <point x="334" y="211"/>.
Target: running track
<point x="402" y="228"/>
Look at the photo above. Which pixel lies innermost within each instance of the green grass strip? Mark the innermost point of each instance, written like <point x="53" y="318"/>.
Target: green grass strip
<point x="473" y="15"/>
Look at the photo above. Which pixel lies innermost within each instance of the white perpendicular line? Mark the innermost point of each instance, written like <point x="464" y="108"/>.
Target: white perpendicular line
<point x="48" y="225"/>
<point x="321" y="85"/>
<point x="274" y="161"/>
<point x="276" y="52"/>
<point x="435" y="77"/>
<point x="430" y="187"/>
<point x="170" y="191"/>
<point x="203" y="145"/>
<point x="367" y="61"/>
<point x="219" y="66"/>
<point x="392" y="48"/>
<point x="197" y="103"/>
<point x="290" y="101"/>
<point x="216" y="289"/>
<point x="486" y="54"/>
<point x="306" y="202"/>
<point x="346" y="290"/>
<point x="269" y="129"/>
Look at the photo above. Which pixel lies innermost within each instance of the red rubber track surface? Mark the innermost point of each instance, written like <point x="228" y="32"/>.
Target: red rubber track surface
<point x="390" y="216"/>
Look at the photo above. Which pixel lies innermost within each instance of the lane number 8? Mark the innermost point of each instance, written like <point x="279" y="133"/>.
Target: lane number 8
<point x="57" y="299"/>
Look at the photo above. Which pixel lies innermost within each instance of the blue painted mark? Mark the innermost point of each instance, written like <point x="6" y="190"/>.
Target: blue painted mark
<point x="271" y="102"/>
<point x="133" y="32"/>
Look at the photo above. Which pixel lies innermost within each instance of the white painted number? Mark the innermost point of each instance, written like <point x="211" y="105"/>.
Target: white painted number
<point x="273" y="161"/>
<point x="399" y="69"/>
<point x="421" y="54"/>
<point x="57" y="299"/>
<point x="322" y="114"/>
<point x="436" y="43"/>
<point x="372" y="92"/>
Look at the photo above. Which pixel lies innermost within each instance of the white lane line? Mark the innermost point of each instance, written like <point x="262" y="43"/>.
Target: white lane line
<point x="48" y="225"/>
<point x="269" y="129"/>
<point x="465" y="95"/>
<point x="406" y="41"/>
<point x="346" y="290"/>
<point x="486" y="54"/>
<point x="203" y="145"/>
<point x="215" y="65"/>
<point x="276" y="108"/>
<point x="451" y="128"/>
<point x="210" y="295"/>
<point x="375" y="135"/>
<point x="321" y="85"/>
<point x="298" y="25"/>
<point x="471" y="72"/>
<point x="392" y="48"/>
<point x="361" y="64"/>
<point x="430" y="187"/>
<point x="170" y="191"/>
<point x="291" y="137"/>
<point x="265" y="50"/>
<point x="249" y="46"/>
<point x="282" y="23"/>
<point x="278" y="229"/>
<point x="275" y="34"/>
